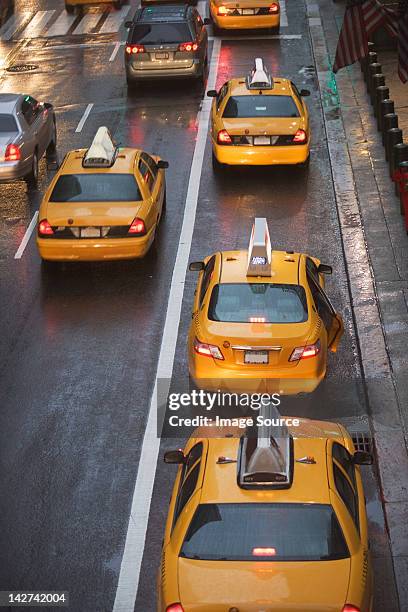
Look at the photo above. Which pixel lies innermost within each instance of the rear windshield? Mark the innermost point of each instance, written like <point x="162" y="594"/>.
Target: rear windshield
<point x="8" y="123"/>
<point x="259" y="532"/>
<point x="96" y="188"/>
<point x="258" y="302"/>
<point x="159" y="33"/>
<point x="260" y="106"/>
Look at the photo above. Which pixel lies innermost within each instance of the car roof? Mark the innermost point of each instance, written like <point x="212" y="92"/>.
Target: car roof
<point x="8" y="102"/>
<point x="281" y="87"/>
<point x="163" y="13"/>
<point x="124" y="162"/>
<point x="285" y="268"/>
<point x="310" y="481"/>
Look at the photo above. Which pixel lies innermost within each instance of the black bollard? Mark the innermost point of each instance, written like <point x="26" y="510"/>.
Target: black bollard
<point x="403" y="167"/>
<point x="371" y="58"/>
<point x="381" y="93"/>
<point x="399" y="154"/>
<point x="394" y="137"/>
<point x="386" y="107"/>
<point x="390" y="121"/>
<point x="377" y="80"/>
<point x="373" y="69"/>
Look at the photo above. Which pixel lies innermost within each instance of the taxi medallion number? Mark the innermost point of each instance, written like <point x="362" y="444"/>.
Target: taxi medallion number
<point x="256" y="357"/>
<point x="90" y="232"/>
<point x="248" y="11"/>
<point x="262" y="140"/>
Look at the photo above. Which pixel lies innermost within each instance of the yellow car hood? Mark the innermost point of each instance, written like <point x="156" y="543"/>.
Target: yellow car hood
<point x="215" y="586"/>
<point x="256" y="125"/>
<point x="95" y="213"/>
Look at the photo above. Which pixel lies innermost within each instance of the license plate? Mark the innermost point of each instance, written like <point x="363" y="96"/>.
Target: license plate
<point x="162" y="56"/>
<point x="248" y="11"/>
<point x="262" y="140"/>
<point x="256" y="357"/>
<point x="90" y="232"/>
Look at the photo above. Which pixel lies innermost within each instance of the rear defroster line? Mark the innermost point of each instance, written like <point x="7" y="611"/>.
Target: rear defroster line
<point x="139" y="515"/>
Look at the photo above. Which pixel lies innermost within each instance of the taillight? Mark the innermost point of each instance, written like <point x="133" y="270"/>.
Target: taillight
<point x="13" y="153"/>
<point x="175" y="608"/>
<point x="224" y="138"/>
<point x="300" y="137"/>
<point x="207" y="350"/>
<point x="350" y="608"/>
<point x="261" y="551"/>
<point x="188" y="46"/>
<point x="223" y="10"/>
<point x="274" y="8"/>
<point x="304" y="352"/>
<point x="137" y="227"/>
<point x="44" y="228"/>
<point x="133" y="49"/>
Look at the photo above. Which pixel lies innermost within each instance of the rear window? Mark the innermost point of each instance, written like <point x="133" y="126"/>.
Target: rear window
<point x="8" y="124"/>
<point x="258" y="302"/>
<point x="264" y="532"/>
<point x="260" y="106"/>
<point x="161" y="33"/>
<point x="96" y="188"/>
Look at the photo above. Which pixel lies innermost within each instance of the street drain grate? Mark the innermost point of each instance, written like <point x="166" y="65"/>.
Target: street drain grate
<point x="362" y="442"/>
<point x="22" y="68"/>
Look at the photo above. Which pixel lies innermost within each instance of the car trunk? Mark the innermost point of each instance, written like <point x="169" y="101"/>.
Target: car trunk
<point x="259" y="128"/>
<point x="163" y="56"/>
<point x="218" y="586"/>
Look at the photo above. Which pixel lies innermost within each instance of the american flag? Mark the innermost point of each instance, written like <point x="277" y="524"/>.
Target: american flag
<point x="403" y="40"/>
<point x="362" y="18"/>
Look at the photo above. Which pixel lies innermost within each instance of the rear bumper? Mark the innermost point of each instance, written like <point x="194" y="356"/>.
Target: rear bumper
<point x="244" y="21"/>
<point x="137" y="74"/>
<point x="12" y="171"/>
<point x="94" y="250"/>
<point x="261" y="156"/>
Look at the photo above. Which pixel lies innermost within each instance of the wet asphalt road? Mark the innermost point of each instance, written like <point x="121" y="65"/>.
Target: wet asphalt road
<point x="79" y="349"/>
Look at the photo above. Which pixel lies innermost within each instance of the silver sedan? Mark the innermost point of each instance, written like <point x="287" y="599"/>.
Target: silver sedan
<point x="27" y="131"/>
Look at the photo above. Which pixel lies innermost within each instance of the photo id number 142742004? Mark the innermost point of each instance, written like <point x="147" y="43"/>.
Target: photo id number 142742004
<point x="34" y="598"/>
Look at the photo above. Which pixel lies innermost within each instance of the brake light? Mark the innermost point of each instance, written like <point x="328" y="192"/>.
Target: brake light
<point x="175" y="608"/>
<point x="137" y="227"/>
<point x="13" y="153"/>
<point x="263" y="552"/>
<point x="223" y="10"/>
<point x="134" y="49"/>
<point x="188" y="46"/>
<point x="257" y="319"/>
<point x="304" y="352"/>
<point x="224" y="138"/>
<point x="350" y="608"/>
<point x="207" y="350"/>
<point x="44" y="228"/>
<point x="300" y="137"/>
<point x="274" y="8"/>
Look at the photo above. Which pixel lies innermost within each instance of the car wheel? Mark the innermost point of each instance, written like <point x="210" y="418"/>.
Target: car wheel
<point x="69" y="8"/>
<point x="276" y="29"/>
<point x="306" y="163"/>
<point x="217" y="166"/>
<point x="52" y="146"/>
<point x="32" y="177"/>
<point x="164" y="205"/>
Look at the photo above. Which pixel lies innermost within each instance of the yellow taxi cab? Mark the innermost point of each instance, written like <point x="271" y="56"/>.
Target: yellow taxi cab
<point x="261" y="316"/>
<point x="267" y="523"/>
<point x="71" y="4"/>
<point x="104" y="203"/>
<point x="259" y="120"/>
<point x="245" y="14"/>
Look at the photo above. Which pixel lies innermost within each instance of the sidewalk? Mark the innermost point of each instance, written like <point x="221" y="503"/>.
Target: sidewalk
<point x="376" y="252"/>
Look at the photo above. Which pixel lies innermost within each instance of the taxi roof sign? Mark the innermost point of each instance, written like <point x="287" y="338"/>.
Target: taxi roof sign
<point x="259" y="77"/>
<point x="259" y="249"/>
<point x="102" y="152"/>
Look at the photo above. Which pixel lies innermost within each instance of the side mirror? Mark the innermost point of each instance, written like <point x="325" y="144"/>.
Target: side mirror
<point x="304" y="92"/>
<point x="174" y="456"/>
<point x="207" y="21"/>
<point x="196" y="266"/>
<point x="162" y="164"/>
<point x="325" y="269"/>
<point x="212" y="93"/>
<point x="362" y="458"/>
<point x="128" y="24"/>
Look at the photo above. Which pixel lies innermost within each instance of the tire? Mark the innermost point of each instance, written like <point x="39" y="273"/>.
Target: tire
<point x="32" y="177"/>
<point x="52" y="146"/>
<point x="276" y="29"/>
<point x="306" y="163"/>
<point x="217" y="166"/>
<point x="69" y="8"/>
<point x="164" y="205"/>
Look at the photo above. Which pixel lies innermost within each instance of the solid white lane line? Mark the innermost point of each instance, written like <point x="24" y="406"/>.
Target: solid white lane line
<point x="114" y="21"/>
<point x="37" y="24"/>
<point x="13" y="25"/>
<point x="61" y="26"/>
<point x="115" y="51"/>
<point x="87" y="23"/>
<point x="26" y="237"/>
<point x="139" y="514"/>
<point x="84" y="118"/>
<point x="202" y="8"/>
<point x="283" y="15"/>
